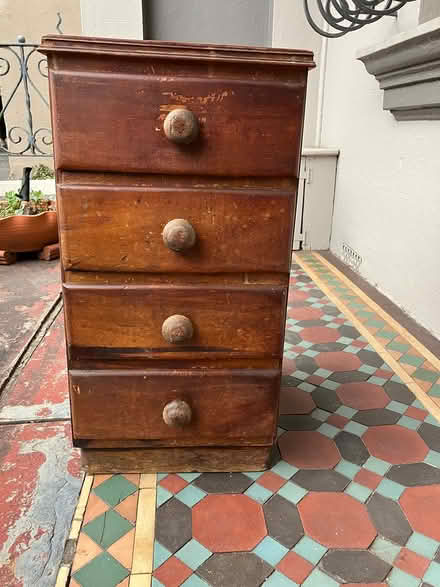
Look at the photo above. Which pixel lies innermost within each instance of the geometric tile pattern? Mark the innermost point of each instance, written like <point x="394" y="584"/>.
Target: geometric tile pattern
<point x="105" y="545"/>
<point x="353" y="496"/>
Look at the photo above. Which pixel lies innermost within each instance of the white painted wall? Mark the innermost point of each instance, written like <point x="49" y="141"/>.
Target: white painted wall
<point x="112" y="18"/>
<point x="387" y="203"/>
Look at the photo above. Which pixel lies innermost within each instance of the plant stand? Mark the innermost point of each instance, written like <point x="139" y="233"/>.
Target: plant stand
<point x="47" y="253"/>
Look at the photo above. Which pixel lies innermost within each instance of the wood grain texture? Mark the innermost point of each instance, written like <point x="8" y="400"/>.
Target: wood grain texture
<point x="246" y="127"/>
<point x="124" y="405"/>
<point x="229" y="321"/>
<point x="176" y="460"/>
<point x="119" y="228"/>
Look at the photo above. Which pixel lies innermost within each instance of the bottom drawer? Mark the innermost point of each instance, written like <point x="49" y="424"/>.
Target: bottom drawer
<point x="174" y="407"/>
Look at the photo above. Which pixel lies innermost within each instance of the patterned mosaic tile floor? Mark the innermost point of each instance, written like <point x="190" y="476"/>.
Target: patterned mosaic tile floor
<point x="353" y="496"/>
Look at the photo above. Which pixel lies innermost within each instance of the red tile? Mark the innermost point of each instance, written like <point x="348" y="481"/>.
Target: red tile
<point x="304" y="313"/>
<point x="416" y="413"/>
<point x="412" y="563"/>
<point x="295" y="401"/>
<point x="173" y="483"/>
<point x="368" y="478"/>
<point x="421" y="506"/>
<point x="362" y="395"/>
<point x="297" y="349"/>
<point x="339" y="320"/>
<point x="337" y="420"/>
<point x="315" y="379"/>
<point x="395" y="444"/>
<point x="172" y="573"/>
<point x="384" y="374"/>
<point x="359" y="343"/>
<point x="228" y="523"/>
<point x="271" y="481"/>
<point x="336" y="520"/>
<point x="319" y="334"/>
<point x="296" y="295"/>
<point x="308" y="449"/>
<point x="295" y="567"/>
<point x="338" y="361"/>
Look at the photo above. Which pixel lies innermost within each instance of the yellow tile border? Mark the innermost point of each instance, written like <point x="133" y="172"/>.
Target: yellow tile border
<point x="144" y="536"/>
<point x="143" y="580"/>
<point x="429" y="356"/>
<point x="420" y="394"/>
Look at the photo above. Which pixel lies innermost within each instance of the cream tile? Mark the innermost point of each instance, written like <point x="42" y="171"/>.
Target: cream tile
<point x="122" y="549"/>
<point x="86" y="549"/>
<point x="144" y="537"/>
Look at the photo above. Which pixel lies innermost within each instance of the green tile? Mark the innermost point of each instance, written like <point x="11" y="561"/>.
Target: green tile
<point x="398" y="578"/>
<point x="277" y="579"/>
<point x="390" y="489"/>
<point x="190" y="495"/>
<point x="328" y="430"/>
<point x="284" y="470"/>
<point x="270" y="550"/>
<point x="292" y="492"/>
<point x="161" y="554"/>
<point x="258" y="493"/>
<point x="319" y="579"/>
<point x="359" y="492"/>
<point x="333" y="385"/>
<point x="320" y="415"/>
<point x="310" y="550"/>
<point x="189" y="476"/>
<point x="422" y="545"/>
<point x="115" y="489"/>
<point x="432" y="575"/>
<point x="433" y="458"/>
<point x="107" y="528"/>
<point x="307" y="387"/>
<point x="425" y="375"/>
<point x="254" y="474"/>
<point x="156" y="583"/>
<point x="431" y="420"/>
<point x="162" y="495"/>
<point x="355" y="428"/>
<point x="410" y="423"/>
<point x="385" y="550"/>
<point x="398" y="346"/>
<point x="376" y="465"/>
<point x="386" y="334"/>
<point x="194" y="581"/>
<point x="323" y="373"/>
<point x="375" y="323"/>
<point x="409" y="359"/>
<point x="435" y="390"/>
<point x="377" y="380"/>
<point x="397" y="407"/>
<point x="346" y="411"/>
<point x="347" y="469"/>
<point x="193" y="554"/>
<point x="366" y="314"/>
<point x="345" y="340"/>
<point x="367" y="369"/>
<point x="103" y="570"/>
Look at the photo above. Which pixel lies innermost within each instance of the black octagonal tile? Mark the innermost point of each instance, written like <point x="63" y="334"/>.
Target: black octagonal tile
<point x="306" y="364"/>
<point x="326" y="399"/>
<point x="173" y="524"/>
<point x="399" y="392"/>
<point x="350" y="332"/>
<point x="414" y="474"/>
<point x="351" y="447"/>
<point x="331" y="310"/>
<point x="328" y="347"/>
<point x="321" y="480"/>
<point x="316" y="293"/>
<point x="355" y="566"/>
<point x="370" y="358"/>
<point x="277" y="511"/>
<point x="223" y="482"/>
<point x="349" y="376"/>
<point x="303" y="278"/>
<point x="293" y="422"/>
<point x="376" y="417"/>
<point x="289" y="381"/>
<point x="235" y="570"/>
<point x="431" y="435"/>
<point x="292" y="337"/>
<point x="389" y="519"/>
<point x="311" y="323"/>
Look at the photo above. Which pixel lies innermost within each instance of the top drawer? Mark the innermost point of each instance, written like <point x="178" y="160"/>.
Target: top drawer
<point x="115" y="122"/>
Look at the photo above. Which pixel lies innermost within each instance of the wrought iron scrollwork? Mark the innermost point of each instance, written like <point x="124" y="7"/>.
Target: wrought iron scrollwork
<point x="24" y="139"/>
<point x="344" y="16"/>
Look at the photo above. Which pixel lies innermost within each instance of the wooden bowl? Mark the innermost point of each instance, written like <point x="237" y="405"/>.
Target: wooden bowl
<point x="19" y="234"/>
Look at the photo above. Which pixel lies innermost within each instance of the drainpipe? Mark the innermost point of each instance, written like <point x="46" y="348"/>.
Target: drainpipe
<point x="321" y="87"/>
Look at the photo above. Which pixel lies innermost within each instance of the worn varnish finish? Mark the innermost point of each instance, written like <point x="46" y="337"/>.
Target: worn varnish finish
<point x="177" y="174"/>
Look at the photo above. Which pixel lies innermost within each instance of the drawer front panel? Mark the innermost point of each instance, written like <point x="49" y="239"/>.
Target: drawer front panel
<point x="112" y="322"/>
<point x="224" y="407"/>
<point x="119" y="228"/>
<point x="245" y="127"/>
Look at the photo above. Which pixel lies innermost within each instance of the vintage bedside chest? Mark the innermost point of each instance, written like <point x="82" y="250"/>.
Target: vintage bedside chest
<point x="176" y="169"/>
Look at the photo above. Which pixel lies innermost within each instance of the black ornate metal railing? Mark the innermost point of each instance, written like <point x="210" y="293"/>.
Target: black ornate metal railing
<point x="21" y="62"/>
<point x="345" y="16"/>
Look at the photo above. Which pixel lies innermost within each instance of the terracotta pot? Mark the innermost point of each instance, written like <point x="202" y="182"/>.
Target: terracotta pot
<point x="19" y="234"/>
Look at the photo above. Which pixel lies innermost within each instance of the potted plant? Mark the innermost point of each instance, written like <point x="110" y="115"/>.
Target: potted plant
<point x="28" y="221"/>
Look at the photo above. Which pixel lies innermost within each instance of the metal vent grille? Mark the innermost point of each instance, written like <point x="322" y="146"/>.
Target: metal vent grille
<point x="351" y="257"/>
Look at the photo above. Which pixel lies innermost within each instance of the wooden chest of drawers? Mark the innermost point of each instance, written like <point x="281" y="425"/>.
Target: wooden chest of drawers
<point x="176" y="169"/>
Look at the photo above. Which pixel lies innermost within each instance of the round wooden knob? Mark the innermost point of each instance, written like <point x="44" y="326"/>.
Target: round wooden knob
<point x="177" y="329"/>
<point x="181" y="126"/>
<point x="177" y="414"/>
<point x="179" y="235"/>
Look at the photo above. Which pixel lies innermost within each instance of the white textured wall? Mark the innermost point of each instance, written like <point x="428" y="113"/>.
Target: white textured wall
<point x="121" y="19"/>
<point x="387" y="204"/>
